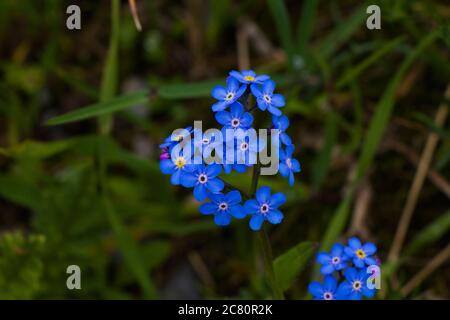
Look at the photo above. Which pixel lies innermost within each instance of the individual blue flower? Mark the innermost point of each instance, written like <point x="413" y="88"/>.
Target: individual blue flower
<point x="355" y="286"/>
<point x="361" y="254"/>
<point x="248" y="77"/>
<point x="177" y="167"/>
<point x="266" y="99"/>
<point x="282" y="123"/>
<point x="326" y="291"/>
<point x="203" y="179"/>
<point x="333" y="261"/>
<point x="228" y="95"/>
<point x="236" y="118"/>
<point x="264" y="207"/>
<point x="171" y="140"/>
<point x="224" y="207"/>
<point x="288" y="165"/>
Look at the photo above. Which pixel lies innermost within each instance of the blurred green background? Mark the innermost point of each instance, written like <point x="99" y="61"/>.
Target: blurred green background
<point x="368" y="112"/>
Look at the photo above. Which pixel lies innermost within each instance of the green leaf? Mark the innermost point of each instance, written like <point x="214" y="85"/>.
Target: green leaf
<point x="102" y="108"/>
<point x="288" y="266"/>
<point x="354" y="72"/>
<point x="281" y="16"/>
<point x="20" y="192"/>
<point x="188" y="90"/>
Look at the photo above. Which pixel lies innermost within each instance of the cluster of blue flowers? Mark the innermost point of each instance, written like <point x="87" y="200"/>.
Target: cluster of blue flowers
<point x="349" y="263"/>
<point x="233" y="112"/>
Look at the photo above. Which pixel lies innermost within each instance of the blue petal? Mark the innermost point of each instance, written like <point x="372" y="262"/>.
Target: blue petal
<point x="233" y="197"/>
<point x="240" y="168"/>
<point x="219" y="106"/>
<point x="236" y="109"/>
<point x="188" y="179"/>
<point x="344" y="290"/>
<point x="237" y="75"/>
<point x="274" y="110"/>
<point x="284" y="169"/>
<point x="285" y="139"/>
<point x="263" y="194"/>
<point x="223" y="117"/>
<point x="369" y="248"/>
<point x="167" y="166"/>
<point x="295" y="165"/>
<point x="366" y="292"/>
<point x="213" y="170"/>
<point x="208" y="208"/>
<point x="370" y="261"/>
<point x="215" y="185"/>
<point x="200" y="192"/>
<point x="222" y="219"/>
<point x="262" y="105"/>
<point x="291" y="179"/>
<point x="277" y="199"/>
<point x="219" y="92"/>
<point x="175" y="178"/>
<point x="337" y="250"/>
<point x="251" y="206"/>
<point x="278" y="100"/>
<point x="246" y="120"/>
<point x="323" y="258"/>
<point x="255" y="89"/>
<point x="355" y="295"/>
<point x="237" y="211"/>
<point x="351" y="274"/>
<point x="349" y="251"/>
<point x="268" y="87"/>
<point x="327" y="269"/>
<point x="262" y="78"/>
<point x="315" y="288"/>
<point x="329" y="284"/>
<point x="274" y="216"/>
<point x="359" y="263"/>
<point x="256" y="222"/>
<point x="232" y="84"/>
<point x="354" y="243"/>
<point x="240" y="92"/>
<point x="216" y="197"/>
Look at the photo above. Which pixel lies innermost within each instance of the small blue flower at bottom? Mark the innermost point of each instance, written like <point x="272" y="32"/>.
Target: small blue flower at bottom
<point x="224" y="207"/>
<point x="288" y="165"/>
<point x="361" y="254"/>
<point x="355" y="286"/>
<point x="326" y="291"/>
<point x="203" y="179"/>
<point x="265" y="207"/>
<point x="333" y="261"/>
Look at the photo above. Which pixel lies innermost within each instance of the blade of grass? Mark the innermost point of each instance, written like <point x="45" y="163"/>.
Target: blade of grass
<point x="354" y="72"/>
<point x="106" y="106"/>
<point x="306" y="25"/>
<point x="322" y="163"/>
<point x="342" y="33"/>
<point x="283" y="25"/>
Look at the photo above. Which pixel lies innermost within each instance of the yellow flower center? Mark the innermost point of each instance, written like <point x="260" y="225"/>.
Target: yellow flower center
<point x="180" y="162"/>
<point x="360" y="253"/>
<point x="249" y="78"/>
<point x="178" y="138"/>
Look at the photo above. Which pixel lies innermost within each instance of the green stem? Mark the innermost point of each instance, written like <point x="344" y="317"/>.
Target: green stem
<point x="264" y="242"/>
